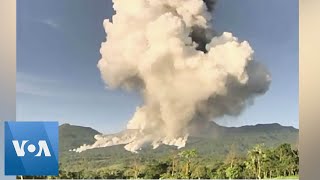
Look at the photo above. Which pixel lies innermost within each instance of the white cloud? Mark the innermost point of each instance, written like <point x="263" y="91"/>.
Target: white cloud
<point x="34" y="85"/>
<point x="51" y="23"/>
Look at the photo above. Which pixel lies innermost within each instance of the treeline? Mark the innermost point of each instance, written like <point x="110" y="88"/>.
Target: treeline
<point x="260" y="162"/>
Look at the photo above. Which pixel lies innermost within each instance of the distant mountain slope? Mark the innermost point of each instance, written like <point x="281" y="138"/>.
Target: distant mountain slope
<point x="71" y="136"/>
<point x="213" y="143"/>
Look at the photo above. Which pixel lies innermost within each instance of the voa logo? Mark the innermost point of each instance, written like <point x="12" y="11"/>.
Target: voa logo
<point x="31" y="148"/>
<point x="42" y="148"/>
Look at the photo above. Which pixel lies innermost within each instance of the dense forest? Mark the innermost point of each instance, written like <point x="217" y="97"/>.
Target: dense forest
<point x="259" y="162"/>
<point x="264" y="151"/>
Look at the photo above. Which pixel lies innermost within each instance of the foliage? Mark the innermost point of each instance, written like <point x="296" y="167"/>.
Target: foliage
<point x="260" y="162"/>
<point x="233" y="153"/>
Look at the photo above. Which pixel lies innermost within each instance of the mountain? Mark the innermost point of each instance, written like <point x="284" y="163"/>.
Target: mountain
<point x="74" y="136"/>
<point x="213" y="143"/>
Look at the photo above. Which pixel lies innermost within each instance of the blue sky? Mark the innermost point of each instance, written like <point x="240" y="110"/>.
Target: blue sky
<point x="58" y="46"/>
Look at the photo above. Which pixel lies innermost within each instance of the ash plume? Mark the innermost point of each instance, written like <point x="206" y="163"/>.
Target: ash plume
<point x="186" y="73"/>
<point x="210" y="4"/>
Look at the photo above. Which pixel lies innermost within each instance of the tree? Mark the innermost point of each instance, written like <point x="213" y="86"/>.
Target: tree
<point x="155" y="169"/>
<point x="221" y="172"/>
<point x="254" y="160"/>
<point x="269" y="163"/>
<point x="187" y="156"/>
<point x="200" y="172"/>
<point x="260" y="162"/>
<point x="288" y="159"/>
<point x="295" y="162"/>
<point x="174" y="163"/>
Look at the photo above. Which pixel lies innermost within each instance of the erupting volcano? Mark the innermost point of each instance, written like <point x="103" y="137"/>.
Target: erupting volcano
<point x="185" y="71"/>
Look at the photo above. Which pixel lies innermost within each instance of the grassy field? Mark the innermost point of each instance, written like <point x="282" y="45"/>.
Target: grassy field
<point x="289" y="177"/>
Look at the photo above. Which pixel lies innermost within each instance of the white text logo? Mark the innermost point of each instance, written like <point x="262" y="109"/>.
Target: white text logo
<point x="42" y="144"/>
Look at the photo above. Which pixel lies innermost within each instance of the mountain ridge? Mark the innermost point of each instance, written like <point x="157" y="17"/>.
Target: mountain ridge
<point x="79" y="135"/>
<point x="212" y="144"/>
<point x="230" y="127"/>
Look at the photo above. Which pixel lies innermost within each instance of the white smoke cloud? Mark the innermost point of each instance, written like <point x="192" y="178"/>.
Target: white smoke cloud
<point x="167" y="50"/>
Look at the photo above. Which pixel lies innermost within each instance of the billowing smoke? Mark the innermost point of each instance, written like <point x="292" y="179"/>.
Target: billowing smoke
<point x="168" y="51"/>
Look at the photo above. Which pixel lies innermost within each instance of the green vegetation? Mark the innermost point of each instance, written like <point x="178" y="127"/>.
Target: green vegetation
<point x="262" y="151"/>
<point x="259" y="163"/>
